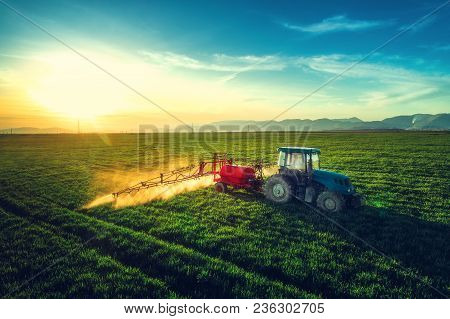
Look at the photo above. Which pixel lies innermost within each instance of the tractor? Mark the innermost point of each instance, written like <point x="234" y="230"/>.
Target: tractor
<point x="299" y="176"/>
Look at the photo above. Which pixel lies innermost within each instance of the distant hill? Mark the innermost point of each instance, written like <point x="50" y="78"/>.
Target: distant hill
<point x="403" y="122"/>
<point x="438" y="122"/>
<point x="34" y="130"/>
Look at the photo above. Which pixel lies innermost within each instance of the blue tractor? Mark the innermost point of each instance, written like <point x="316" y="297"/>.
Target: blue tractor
<point x="299" y="176"/>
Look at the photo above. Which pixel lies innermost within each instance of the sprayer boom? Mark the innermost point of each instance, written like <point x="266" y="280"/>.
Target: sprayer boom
<point x="204" y="168"/>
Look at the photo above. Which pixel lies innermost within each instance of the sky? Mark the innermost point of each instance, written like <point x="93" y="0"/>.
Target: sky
<point x="207" y="61"/>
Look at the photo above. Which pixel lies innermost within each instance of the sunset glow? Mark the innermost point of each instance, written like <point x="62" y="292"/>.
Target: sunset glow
<point x="206" y="77"/>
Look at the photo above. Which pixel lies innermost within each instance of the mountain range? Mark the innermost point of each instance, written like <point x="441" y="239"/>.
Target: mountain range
<point x="436" y="122"/>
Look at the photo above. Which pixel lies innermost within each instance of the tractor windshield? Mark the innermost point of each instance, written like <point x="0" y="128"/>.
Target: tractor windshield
<point x="295" y="161"/>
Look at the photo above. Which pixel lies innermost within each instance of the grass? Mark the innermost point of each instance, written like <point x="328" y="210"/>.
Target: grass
<point x="238" y="245"/>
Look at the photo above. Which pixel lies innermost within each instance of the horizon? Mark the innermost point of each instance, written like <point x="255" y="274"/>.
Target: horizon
<point x="218" y="62"/>
<point x="243" y="128"/>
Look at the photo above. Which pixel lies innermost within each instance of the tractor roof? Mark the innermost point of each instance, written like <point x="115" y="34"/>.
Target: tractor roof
<point x="295" y="149"/>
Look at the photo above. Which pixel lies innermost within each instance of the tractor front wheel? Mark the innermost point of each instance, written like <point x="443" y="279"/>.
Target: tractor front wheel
<point x="278" y="189"/>
<point x="330" y="202"/>
<point x="220" y="187"/>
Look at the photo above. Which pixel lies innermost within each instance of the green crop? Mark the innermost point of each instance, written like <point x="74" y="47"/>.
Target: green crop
<point x="202" y="244"/>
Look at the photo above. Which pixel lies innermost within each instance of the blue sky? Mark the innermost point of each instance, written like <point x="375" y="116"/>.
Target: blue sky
<point x="211" y="60"/>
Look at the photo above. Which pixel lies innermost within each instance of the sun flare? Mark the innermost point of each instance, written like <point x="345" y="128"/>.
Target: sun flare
<point x="77" y="89"/>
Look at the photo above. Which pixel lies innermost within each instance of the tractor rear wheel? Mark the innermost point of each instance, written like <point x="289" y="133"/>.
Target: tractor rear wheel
<point x="330" y="202"/>
<point x="278" y="189"/>
<point x="220" y="187"/>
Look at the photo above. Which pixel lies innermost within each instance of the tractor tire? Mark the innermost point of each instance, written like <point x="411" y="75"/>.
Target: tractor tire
<point x="278" y="189"/>
<point x="220" y="187"/>
<point x="330" y="202"/>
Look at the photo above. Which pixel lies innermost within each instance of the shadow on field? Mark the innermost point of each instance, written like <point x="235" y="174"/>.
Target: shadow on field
<point x="416" y="243"/>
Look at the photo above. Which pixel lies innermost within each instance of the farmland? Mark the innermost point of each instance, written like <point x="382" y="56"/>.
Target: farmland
<point x="202" y="244"/>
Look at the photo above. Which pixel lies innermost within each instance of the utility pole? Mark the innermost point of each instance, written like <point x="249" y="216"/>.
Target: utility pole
<point x="11" y="131"/>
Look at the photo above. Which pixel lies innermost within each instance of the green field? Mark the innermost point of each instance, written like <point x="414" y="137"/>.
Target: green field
<point x="203" y="244"/>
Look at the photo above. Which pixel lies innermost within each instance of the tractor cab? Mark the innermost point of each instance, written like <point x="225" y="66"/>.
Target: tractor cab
<point x="304" y="159"/>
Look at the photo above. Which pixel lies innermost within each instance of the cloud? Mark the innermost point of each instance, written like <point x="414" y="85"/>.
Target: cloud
<point x="336" y="63"/>
<point x="436" y="47"/>
<point x="401" y="94"/>
<point x="415" y="27"/>
<point x="338" y="23"/>
<point x="381" y="70"/>
<point x="216" y="62"/>
<point x="442" y="48"/>
<point x="319" y="64"/>
<point x="380" y="77"/>
<point x="379" y="83"/>
<point x="232" y="66"/>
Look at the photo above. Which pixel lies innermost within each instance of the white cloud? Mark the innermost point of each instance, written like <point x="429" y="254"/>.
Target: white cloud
<point x="338" y="23"/>
<point x="324" y="64"/>
<point x="337" y="63"/>
<point x="399" y="94"/>
<point x="381" y="82"/>
<point x="218" y="62"/>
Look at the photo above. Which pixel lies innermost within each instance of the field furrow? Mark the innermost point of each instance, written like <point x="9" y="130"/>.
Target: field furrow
<point x="186" y="271"/>
<point x="36" y="262"/>
<point x="291" y="246"/>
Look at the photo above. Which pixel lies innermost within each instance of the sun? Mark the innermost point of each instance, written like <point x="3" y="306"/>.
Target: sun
<point x="69" y="86"/>
<point x="74" y="88"/>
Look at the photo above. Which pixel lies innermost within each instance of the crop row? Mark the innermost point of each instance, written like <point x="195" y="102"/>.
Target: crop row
<point x="290" y="244"/>
<point x="35" y="263"/>
<point x="185" y="271"/>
